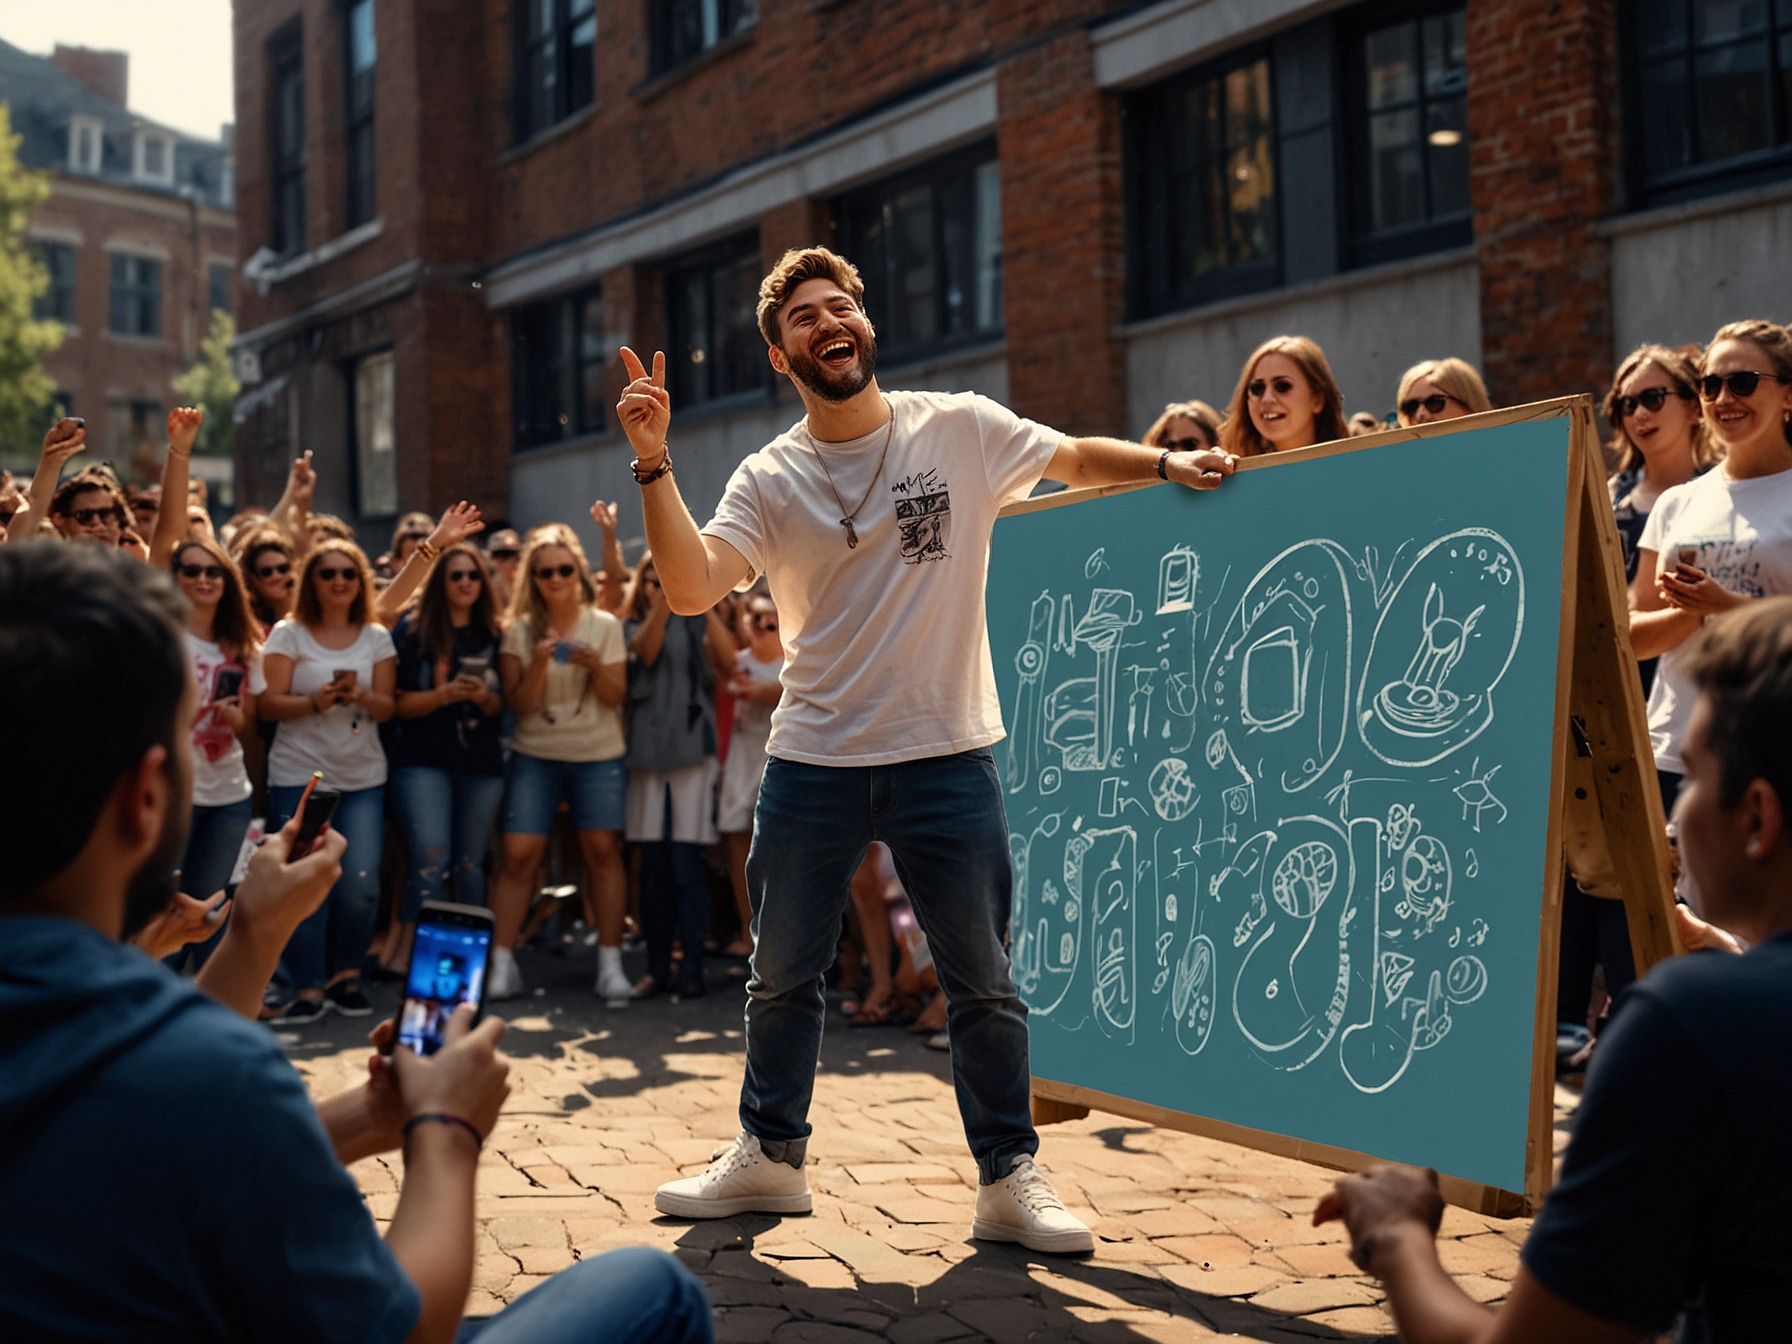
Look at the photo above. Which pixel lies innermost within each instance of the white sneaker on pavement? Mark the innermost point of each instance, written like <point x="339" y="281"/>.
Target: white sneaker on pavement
<point x="1023" y="1207"/>
<point x="613" y="987"/>
<point x="505" y="981"/>
<point x="740" y="1179"/>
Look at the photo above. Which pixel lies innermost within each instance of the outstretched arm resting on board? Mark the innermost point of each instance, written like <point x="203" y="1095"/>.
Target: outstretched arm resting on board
<point x="694" y="570"/>
<point x="1087" y="462"/>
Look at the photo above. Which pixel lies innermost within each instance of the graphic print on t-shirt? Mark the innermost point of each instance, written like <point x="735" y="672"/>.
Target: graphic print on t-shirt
<point x="923" y="516"/>
<point x="1732" y="564"/>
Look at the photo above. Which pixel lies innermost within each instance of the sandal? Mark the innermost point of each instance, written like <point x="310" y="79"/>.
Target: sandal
<point x="875" y="1012"/>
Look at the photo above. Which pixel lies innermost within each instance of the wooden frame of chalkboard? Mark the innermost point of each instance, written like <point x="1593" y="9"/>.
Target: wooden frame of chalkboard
<point x="1604" y="812"/>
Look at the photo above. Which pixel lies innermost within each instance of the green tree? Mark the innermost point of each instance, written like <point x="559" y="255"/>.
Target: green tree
<point x="25" y="389"/>
<point x="210" y="384"/>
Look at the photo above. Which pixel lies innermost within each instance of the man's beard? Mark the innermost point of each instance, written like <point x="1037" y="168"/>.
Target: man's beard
<point x="831" y="386"/>
<point x="153" y="885"/>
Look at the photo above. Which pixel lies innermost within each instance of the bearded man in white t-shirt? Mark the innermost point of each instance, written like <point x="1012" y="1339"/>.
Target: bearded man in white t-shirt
<point x="871" y="520"/>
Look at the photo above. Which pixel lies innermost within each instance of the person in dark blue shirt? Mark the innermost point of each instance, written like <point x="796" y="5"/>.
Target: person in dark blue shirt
<point x="1674" y="1208"/>
<point x="164" y="1173"/>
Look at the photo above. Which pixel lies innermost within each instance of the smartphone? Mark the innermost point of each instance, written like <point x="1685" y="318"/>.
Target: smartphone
<point x="449" y="958"/>
<point x="473" y="667"/>
<point x="347" y="675"/>
<point x="316" y="807"/>
<point x="227" y="683"/>
<point x="563" y="651"/>
<point x="1689" y="556"/>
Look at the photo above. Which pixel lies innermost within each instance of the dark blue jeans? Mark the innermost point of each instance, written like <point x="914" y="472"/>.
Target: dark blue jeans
<point x="633" y="1296"/>
<point x="335" y="938"/>
<point x="942" y="818"/>
<point x="447" y="824"/>
<point x="214" y="839"/>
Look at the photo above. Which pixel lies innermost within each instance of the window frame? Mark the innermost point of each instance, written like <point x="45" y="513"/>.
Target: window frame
<point x="710" y="261"/>
<point x="1151" y="288"/>
<point x="358" y="451"/>
<point x="359" y="98"/>
<point x="50" y="305"/>
<point x="573" y="84"/>
<point x="720" y="20"/>
<point x="288" y="214"/>
<point x="940" y="174"/>
<point x="76" y="164"/>
<point x="134" y="292"/>
<point x="1716" y="176"/>
<point x="564" y="317"/>
<point x="1361" y="245"/>
<point x="140" y="157"/>
<point x="213" y="269"/>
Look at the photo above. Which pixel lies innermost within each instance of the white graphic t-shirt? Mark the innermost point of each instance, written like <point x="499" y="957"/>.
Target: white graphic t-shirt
<point x="220" y="776"/>
<point x="886" y="654"/>
<point x="1742" y="533"/>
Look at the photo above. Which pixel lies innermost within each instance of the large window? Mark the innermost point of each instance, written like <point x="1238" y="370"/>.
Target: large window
<point x="929" y="246"/>
<point x="716" y="349"/>
<point x="288" y="135"/>
<point x="1204" y="185"/>
<point x="683" y="29"/>
<point x="357" y="113"/>
<point x="217" y="285"/>
<point x="136" y="296"/>
<point x="556" y="43"/>
<point x="1408" y="172"/>
<point x="1711" y="93"/>
<point x="557" y="359"/>
<point x="372" y="389"/>
<point x="57" y="302"/>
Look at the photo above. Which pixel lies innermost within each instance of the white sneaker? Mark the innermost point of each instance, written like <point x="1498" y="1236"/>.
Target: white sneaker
<point x="741" y="1179"/>
<point x="613" y="987"/>
<point x="505" y="981"/>
<point x="1023" y="1207"/>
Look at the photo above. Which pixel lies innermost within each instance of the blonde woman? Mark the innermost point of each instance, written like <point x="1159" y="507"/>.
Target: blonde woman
<point x="1286" y="398"/>
<point x="565" y="674"/>
<point x="1440" y="389"/>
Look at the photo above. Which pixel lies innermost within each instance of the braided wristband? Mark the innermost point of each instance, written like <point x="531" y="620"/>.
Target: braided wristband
<point x="442" y="1118"/>
<point x="648" y="478"/>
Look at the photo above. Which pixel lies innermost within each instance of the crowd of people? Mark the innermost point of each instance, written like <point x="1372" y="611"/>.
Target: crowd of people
<point x="455" y="694"/>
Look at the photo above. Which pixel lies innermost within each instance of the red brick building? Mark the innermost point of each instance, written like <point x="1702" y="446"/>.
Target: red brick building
<point x="454" y="214"/>
<point x="138" y="237"/>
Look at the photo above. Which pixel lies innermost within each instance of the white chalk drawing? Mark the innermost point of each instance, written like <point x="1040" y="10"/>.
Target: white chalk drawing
<point x="1048" y="921"/>
<point x="1097" y="562"/>
<point x="1441" y="645"/>
<point x="1425" y="880"/>
<point x="1177" y="573"/>
<point x="1079" y="713"/>
<point x="1101" y="870"/>
<point x="1192" y="994"/>
<point x="1174" y="793"/>
<point x="1477" y="795"/>
<point x="1396" y="970"/>
<point x="1466" y="980"/>
<point x="1472" y="866"/>
<point x="1030" y="662"/>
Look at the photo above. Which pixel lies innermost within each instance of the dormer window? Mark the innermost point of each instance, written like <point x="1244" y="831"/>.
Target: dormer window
<point x="154" y="158"/>
<point x="86" y="140"/>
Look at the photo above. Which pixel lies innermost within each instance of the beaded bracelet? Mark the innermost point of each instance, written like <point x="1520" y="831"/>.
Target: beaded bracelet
<point x="1163" y="464"/>
<point x="428" y="550"/>
<point x="442" y="1118"/>
<point x="649" y="477"/>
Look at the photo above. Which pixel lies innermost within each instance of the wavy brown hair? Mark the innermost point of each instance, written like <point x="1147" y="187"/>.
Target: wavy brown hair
<point x="794" y="267"/>
<point x="1682" y="369"/>
<point x="307" y="610"/>
<point x="435" y="618"/>
<point x="234" y="627"/>
<point x="250" y="546"/>
<point x="1239" y="434"/>
<point x="1198" y="411"/>
<point x="525" y="600"/>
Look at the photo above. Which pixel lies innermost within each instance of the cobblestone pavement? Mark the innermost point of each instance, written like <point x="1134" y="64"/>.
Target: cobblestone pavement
<point x="1195" y="1238"/>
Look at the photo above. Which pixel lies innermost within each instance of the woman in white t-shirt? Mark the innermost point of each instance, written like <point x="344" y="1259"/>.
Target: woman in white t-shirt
<point x="756" y="691"/>
<point x="565" y="672"/>
<point x="1723" y="538"/>
<point x="331" y="670"/>
<point x="224" y="641"/>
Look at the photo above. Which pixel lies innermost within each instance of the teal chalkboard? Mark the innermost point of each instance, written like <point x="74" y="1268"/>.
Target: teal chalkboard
<point x="1279" y="776"/>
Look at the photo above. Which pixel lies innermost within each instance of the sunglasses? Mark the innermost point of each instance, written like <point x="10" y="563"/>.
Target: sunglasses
<point x="1434" y="404"/>
<point x="1742" y="383"/>
<point x="88" y="517"/>
<point x="1184" y="445"/>
<point x="1654" y="398"/>
<point x="413" y="536"/>
<point x="269" y="571"/>
<point x="765" y="623"/>
<point x="505" y="554"/>
<point x="1257" y="387"/>
<point x="463" y="576"/>
<point x="556" y="571"/>
<point x="332" y="575"/>
<point x="201" y="572"/>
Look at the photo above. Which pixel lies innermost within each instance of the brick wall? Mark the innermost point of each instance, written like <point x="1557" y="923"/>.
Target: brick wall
<point x="1542" y="110"/>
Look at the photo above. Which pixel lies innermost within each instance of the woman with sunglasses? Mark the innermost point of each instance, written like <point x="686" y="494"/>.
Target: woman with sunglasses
<point x="267" y="564"/>
<point x="1185" y="427"/>
<point x="224" y="643"/>
<point x="756" y="690"/>
<point x="1721" y="539"/>
<point x="565" y="671"/>
<point x="674" y="664"/>
<point x="1440" y="389"/>
<point x="448" y="765"/>
<point x="331" y="670"/>
<point x="1286" y="398"/>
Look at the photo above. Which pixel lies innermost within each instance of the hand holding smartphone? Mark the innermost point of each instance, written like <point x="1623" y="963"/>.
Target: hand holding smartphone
<point x="449" y="959"/>
<point x="227" y="683"/>
<point x="316" y="807"/>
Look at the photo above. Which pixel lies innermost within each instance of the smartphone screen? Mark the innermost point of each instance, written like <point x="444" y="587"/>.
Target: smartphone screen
<point x="227" y="683"/>
<point x="448" y="963"/>
<point x="473" y="667"/>
<point x="315" y="813"/>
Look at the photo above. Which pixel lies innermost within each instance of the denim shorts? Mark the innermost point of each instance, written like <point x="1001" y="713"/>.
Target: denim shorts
<point x="594" y="792"/>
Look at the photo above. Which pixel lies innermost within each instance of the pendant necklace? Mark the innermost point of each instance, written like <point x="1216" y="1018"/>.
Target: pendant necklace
<point x="852" y="537"/>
